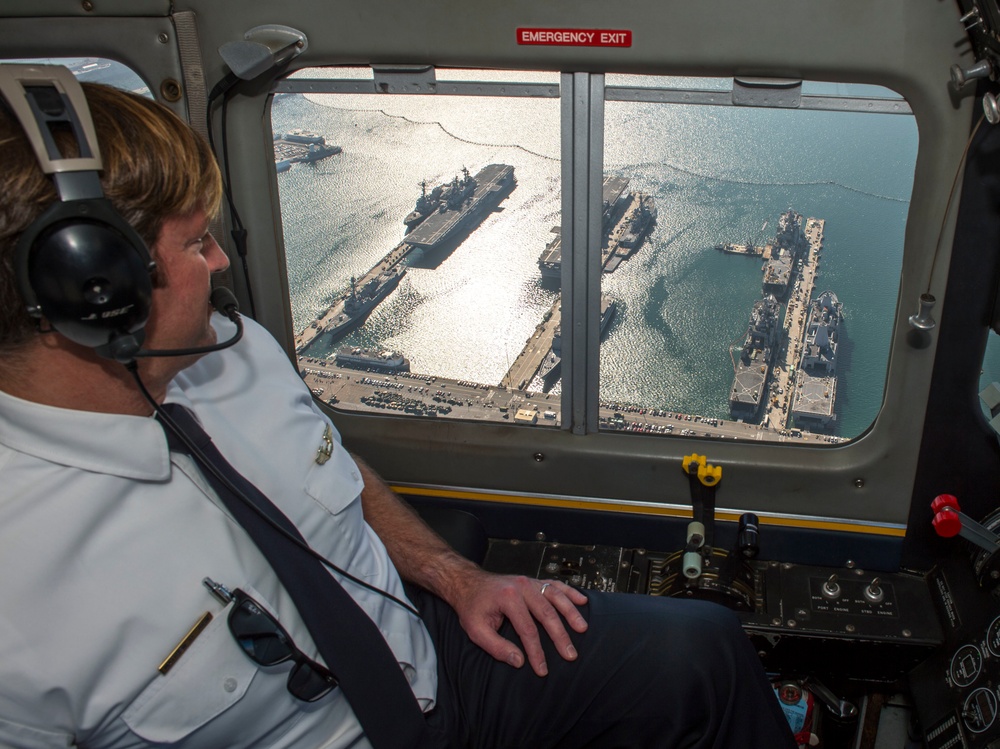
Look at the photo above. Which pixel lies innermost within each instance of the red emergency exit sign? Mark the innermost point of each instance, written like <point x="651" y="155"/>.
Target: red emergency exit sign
<point x="576" y="37"/>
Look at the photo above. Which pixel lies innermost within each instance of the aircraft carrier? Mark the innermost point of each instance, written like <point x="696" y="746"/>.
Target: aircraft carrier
<point x="627" y="217"/>
<point x="449" y="209"/>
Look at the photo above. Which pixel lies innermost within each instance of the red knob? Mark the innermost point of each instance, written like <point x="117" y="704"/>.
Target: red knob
<point x="945" y="500"/>
<point x="947" y="524"/>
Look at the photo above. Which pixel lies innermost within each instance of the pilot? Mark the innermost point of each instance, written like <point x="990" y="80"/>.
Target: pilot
<point x="139" y="610"/>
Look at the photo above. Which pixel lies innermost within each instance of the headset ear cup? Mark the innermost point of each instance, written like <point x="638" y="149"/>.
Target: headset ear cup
<point x="89" y="281"/>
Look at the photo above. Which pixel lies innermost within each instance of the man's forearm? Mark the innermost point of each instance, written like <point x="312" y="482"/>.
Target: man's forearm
<point x="419" y="554"/>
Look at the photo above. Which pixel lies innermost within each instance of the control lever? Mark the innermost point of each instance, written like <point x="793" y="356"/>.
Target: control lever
<point x="703" y="480"/>
<point x="840" y="718"/>
<point x="949" y="521"/>
<point x="841" y="709"/>
<point x="691" y="563"/>
<point x="748" y="536"/>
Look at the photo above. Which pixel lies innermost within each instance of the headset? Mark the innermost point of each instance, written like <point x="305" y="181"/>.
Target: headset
<point x="80" y="265"/>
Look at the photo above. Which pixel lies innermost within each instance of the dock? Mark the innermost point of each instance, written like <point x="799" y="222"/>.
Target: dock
<point x="779" y="402"/>
<point x="536" y="348"/>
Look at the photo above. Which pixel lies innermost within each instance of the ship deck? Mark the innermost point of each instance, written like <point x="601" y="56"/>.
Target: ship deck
<point x="814" y="398"/>
<point x="493" y="182"/>
<point x="748" y="388"/>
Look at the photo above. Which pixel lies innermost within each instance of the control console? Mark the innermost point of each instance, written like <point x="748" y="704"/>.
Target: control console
<point x="803" y="619"/>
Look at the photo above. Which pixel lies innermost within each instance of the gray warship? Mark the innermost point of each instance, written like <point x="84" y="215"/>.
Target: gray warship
<point x="752" y="360"/>
<point x="301" y="146"/>
<point x="359" y="302"/>
<point x="627" y="217"/>
<point x="372" y="359"/>
<point x="790" y="246"/>
<point x="551" y="365"/>
<point x="448" y="210"/>
<point x="816" y="380"/>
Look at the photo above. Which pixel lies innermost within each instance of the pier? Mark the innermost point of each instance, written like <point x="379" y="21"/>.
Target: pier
<point x="537" y="347"/>
<point x="779" y="401"/>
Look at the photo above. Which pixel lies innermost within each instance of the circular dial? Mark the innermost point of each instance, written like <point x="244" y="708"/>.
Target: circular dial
<point x="980" y="710"/>
<point x="966" y="665"/>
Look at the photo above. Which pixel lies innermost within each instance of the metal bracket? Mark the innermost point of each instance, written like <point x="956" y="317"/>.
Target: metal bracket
<point x="783" y="93"/>
<point x="404" y="79"/>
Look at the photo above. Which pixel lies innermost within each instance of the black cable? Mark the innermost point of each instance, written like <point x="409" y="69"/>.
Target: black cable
<point x="239" y="233"/>
<point x="207" y="464"/>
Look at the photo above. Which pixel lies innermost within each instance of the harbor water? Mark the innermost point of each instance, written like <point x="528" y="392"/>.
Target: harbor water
<point x="718" y="174"/>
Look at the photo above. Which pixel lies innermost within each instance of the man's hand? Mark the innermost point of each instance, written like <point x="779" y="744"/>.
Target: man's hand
<point x="481" y="599"/>
<point x="485" y="599"/>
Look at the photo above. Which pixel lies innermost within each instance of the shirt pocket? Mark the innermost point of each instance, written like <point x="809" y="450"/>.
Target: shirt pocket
<point x="336" y="483"/>
<point x="206" y="699"/>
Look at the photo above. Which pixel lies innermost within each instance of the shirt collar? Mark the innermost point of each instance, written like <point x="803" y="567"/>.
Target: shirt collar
<point x="132" y="447"/>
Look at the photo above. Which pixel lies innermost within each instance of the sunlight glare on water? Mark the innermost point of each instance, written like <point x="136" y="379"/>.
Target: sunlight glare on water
<point x="718" y="174"/>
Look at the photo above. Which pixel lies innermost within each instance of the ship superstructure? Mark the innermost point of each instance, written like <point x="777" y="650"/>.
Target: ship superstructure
<point x="447" y="197"/>
<point x="753" y="358"/>
<point x="816" y="381"/>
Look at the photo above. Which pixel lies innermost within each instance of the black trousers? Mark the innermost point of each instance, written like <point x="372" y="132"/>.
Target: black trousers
<point x="652" y="672"/>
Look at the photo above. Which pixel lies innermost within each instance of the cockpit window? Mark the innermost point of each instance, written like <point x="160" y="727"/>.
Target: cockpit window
<point x="751" y="243"/>
<point x="761" y="303"/>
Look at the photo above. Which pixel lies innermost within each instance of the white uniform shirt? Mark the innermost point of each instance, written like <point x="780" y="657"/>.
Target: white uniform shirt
<point x="104" y="544"/>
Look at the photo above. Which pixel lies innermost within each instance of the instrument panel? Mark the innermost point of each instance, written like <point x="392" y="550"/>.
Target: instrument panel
<point x="803" y="619"/>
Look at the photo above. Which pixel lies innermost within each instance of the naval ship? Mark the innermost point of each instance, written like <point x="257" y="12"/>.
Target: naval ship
<point x="449" y="197"/>
<point x="790" y="246"/>
<point x="549" y="369"/>
<point x="754" y="362"/>
<point x="448" y="210"/>
<point x="816" y="380"/>
<point x="372" y="359"/>
<point x="361" y="301"/>
<point x="627" y="217"/>
<point x="301" y="146"/>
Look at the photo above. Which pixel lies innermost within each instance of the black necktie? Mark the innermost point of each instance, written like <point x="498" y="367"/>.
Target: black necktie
<point x="351" y="644"/>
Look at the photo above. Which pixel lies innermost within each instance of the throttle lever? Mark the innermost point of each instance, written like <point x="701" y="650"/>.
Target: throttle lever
<point x="949" y="521"/>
